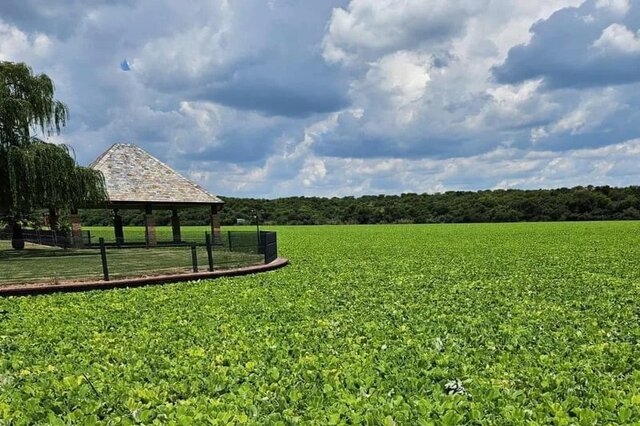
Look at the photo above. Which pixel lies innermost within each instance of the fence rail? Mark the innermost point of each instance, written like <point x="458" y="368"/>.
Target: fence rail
<point x="42" y="237"/>
<point x="51" y="258"/>
<point x="139" y="238"/>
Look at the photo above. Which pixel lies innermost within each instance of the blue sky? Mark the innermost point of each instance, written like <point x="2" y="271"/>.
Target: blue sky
<point x="281" y="97"/>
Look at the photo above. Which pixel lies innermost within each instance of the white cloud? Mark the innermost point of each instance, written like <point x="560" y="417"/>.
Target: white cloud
<point x="313" y="171"/>
<point x="538" y="133"/>
<point x="190" y="53"/>
<point x="425" y="96"/>
<point x="377" y="26"/>
<point x="590" y="113"/>
<point x="611" y="165"/>
<point x="502" y="167"/>
<point x="403" y="74"/>
<point x="513" y="105"/>
<point x="16" y="45"/>
<point x="205" y="115"/>
<point x="618" y="38"/>
<point x="619" y="7"/>
<point x="402" y="78"/>
<point x="507" y="23"/>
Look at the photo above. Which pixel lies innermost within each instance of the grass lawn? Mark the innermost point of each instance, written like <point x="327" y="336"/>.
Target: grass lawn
<point x="46" y="264"/>
<point x="403" y="324"/>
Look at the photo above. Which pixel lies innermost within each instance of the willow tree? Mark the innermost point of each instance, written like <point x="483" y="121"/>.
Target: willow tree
<point x="35" y="174"/>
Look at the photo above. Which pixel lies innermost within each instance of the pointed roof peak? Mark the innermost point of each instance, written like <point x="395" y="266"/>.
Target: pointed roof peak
<point x="132" y="175"/>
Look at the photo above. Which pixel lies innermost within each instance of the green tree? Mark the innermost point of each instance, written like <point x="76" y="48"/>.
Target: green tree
<point x="35" y="174"/>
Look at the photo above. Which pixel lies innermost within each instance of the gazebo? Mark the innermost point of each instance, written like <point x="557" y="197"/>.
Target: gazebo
<point x="136" y="180"/>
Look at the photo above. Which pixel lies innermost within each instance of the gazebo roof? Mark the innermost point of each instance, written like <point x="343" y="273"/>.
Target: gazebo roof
<point x="133" y="176"/>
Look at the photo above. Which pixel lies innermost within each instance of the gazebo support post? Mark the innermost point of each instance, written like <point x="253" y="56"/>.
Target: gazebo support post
<point x="215" y="223"/>
<point x="150" y="226"/>
<point x="118" y="229"/>
<point x="76" y="229"/>
<point x="175" y="226"/>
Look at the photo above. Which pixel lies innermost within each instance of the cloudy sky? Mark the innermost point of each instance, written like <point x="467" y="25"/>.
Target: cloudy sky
<point x="283" y="97"/>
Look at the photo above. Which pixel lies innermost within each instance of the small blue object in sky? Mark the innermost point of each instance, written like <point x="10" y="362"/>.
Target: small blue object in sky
<point x="124" y="66"/>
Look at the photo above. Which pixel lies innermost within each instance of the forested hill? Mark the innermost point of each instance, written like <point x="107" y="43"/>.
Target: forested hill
<point x="579" y="203"/>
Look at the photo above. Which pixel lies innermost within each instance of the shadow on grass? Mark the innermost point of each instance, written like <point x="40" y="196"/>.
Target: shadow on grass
<point x="30" y="253"/>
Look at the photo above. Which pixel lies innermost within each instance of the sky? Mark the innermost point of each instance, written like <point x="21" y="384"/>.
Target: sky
<point x="276" y="98"/>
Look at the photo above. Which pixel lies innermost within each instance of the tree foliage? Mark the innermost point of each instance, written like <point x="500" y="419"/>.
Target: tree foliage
<point x="564" y="204"/>
<point x="42" y="174"/>
<point x="27" y="102"/>
<point x="35" y="174"/>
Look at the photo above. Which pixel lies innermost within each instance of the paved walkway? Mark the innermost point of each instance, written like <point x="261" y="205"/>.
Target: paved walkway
<point x="44" y="288"/>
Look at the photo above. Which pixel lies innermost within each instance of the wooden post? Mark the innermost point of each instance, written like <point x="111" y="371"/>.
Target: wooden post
<point x="175" y="226"/>
<point x="207" y="238"/>
<point x="150" y="226"/>
<point x="103" y="258"/>
<point x="215" y="223"/>
<point x="194" y="258"/>
<point x="118" y="229"/>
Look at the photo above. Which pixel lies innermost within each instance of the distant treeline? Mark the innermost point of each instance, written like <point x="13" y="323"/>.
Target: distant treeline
<point x="565" y="204"/>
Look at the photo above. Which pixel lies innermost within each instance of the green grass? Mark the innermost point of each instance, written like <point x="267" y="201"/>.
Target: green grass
<point x="45" y="264"/>
<point x="539" y="323"/>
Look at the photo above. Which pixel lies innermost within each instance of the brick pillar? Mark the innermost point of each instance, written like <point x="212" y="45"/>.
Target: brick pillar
<point x="150" y="227"/>
<point x="175" y="226"/>
<point x="215" y="223"/>
<point x="76" y="229"/>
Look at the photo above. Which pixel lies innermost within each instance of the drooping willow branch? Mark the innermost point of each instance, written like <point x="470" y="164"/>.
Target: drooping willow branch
<point x="27" y="102"/>
<point x="41" y="175"/>
<point x="35" y="174"/>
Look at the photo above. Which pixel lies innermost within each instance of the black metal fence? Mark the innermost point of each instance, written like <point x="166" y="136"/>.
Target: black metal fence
<point x="238" y="240"/>
<point x="138" y="237"/>
<point x="101" y="260"/>
<point x="269" y="243"/>
<point x="265" y="242"/>
<point x="43" y="237"/>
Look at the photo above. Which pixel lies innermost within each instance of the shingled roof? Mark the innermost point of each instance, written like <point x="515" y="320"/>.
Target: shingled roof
<point x="132" y="175"/>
